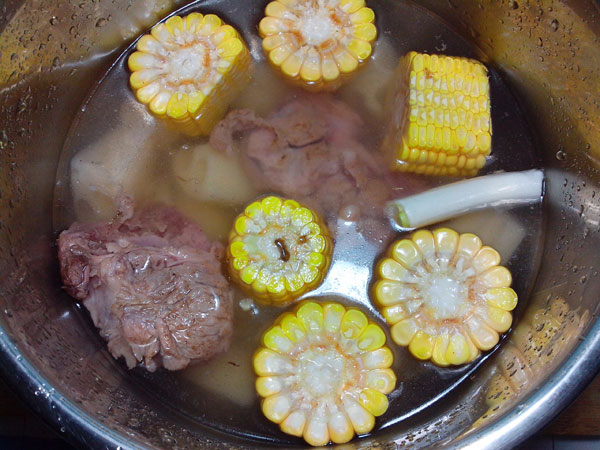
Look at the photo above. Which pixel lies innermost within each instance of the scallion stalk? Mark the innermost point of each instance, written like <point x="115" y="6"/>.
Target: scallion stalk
<point x="451" y="200"/>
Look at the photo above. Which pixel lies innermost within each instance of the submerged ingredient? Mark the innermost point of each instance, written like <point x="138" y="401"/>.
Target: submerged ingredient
<point x="440" y="116"/>
<point x="207" y="175"/>
<point x="189" y="70"/>
<point x="114" y="163"/>
<point x="324" y="373"/>
<point x="310" y="150"/>
<point x="317" y="43"/>
<point x="152" y="283"/>
<point x="444" y="295"/>
<point x="278" y="250"/>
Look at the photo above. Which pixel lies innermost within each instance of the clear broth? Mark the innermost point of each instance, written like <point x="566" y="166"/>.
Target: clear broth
<point x="221" y="394"/>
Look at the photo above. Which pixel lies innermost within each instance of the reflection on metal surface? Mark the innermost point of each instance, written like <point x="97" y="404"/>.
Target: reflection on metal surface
<point x="51" y="33"/>
<point x="541" y="340"/>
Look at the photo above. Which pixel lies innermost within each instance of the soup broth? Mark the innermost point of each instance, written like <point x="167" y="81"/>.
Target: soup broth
<point x="114" y="140"/>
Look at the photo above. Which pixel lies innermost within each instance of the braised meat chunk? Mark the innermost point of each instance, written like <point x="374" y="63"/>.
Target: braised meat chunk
<point x="152" y="283"/>
<point x="310" y="150"/>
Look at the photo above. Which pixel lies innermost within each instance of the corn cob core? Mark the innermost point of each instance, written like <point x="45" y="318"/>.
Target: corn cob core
<point x="189" y="69"/>
<point x="317" y="42"/>
<point x="441" y="123"/>
<point x="324" y="373"/>
<point x="278" y="250"/>
<point x="444" y="295"/>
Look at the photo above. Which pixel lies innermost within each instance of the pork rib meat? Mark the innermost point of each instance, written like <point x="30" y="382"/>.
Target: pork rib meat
<point x="153" y="285"/>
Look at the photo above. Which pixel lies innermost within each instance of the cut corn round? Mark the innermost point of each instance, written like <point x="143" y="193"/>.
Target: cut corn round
<point x="331" y="380"/>
<point x="188" y="70"/>
<point x="278" y="250"/>
<point x="444" y="295"/>
<point x="441" y="121"/>
<point x="318" y="43"/>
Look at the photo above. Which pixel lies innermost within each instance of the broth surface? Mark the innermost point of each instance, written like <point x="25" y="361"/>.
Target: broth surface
<point x="113" y="130"/>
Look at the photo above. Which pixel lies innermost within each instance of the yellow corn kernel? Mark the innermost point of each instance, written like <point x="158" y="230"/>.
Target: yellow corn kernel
<point x="278" y="250"/>
<point x="353" y="324"/>
<point x="310" y="316"/>
<point x="485" y="259"/>
<point x="340" y="428"/>
<point x="392" y="270"/>
<point x="373" y="401"/>
<point x="267" y="362"/>
<point x="447" y="113"/>
<point x="395" y="313"/>
<point x="496" y="277"/>
<point x="276" y="340"/>
<point x="331" y="40"/>
<point x="403" y="331"/>
<point x="341" y="367"/>
<point x="482" y="335"/>
<point x="468" y="245"/>
<point x="502" y="297"/>
<point x="316" y="432"/>
<point x="406" y="253"/>
<point x="446" y="241"/>
<point x="448" y="299"/>
<point x="333" y="314"/>
<point x="362" y="420"/>
<point x="371" y="338"/>
<point x="292" y="327"/>
<point x="378" y="359"/>
<point x="294" y="423"/>
<point x="498" y="319"/>
<point x="188" y="71"/>
<point x="267" y="386"/>
<point x="438" y="355"/>
<point x="277" y="407"/>
<point x="458" y="350"/>
<point x="382" y="380"/>
<point x="421" y="345"/>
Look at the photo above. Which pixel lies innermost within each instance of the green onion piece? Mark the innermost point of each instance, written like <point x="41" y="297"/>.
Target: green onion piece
<point x="451" y="200"/>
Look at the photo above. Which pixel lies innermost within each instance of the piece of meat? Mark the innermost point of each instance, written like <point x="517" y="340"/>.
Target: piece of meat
<point x="310" y="151"/>
<point x="152" y="283"/>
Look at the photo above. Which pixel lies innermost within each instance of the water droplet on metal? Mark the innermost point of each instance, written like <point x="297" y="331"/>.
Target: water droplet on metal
<point x="561" y="155"/>
<point x="554" y="25"/>
<point x="583" y="279"/>
<point x="54" y="20"/>
<point x="540" y="42"/>
<point x="513" y="4"/>
<point x="4" y="142"/>
<point x="101" y="22"/>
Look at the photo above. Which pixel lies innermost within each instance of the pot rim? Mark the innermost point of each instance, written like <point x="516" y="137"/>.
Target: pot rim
<point x="526" y="418"/>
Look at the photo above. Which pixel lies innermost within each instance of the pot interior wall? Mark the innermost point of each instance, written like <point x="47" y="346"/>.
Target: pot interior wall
<point x="51" y="53"/>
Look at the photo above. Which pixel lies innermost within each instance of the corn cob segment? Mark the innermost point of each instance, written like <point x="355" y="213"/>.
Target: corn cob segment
<point x="444" y="295"/>
<point x="278" y="250"/>
<point x="441" y="122"/>
<point x="317" y="43"/>
<point x="324" y="373"/>
<point x="188" y="70"/>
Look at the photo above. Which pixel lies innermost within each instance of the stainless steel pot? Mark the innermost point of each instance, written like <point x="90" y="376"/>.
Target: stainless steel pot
<point x="51" y="52"/>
